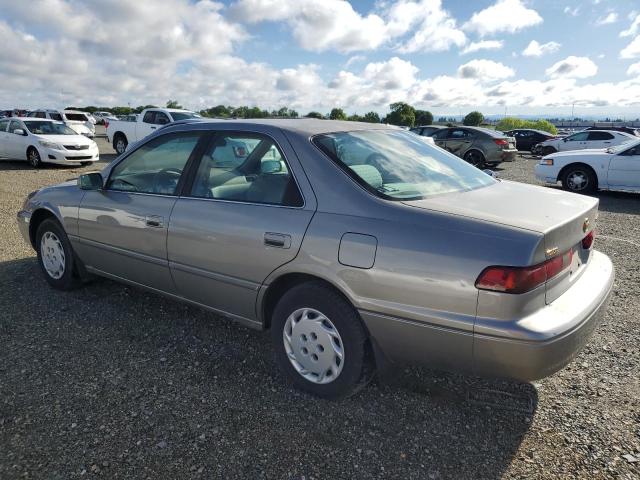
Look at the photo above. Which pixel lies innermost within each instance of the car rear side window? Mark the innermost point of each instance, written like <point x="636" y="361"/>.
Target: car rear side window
<point x="600" y="136"/>
<point x="155" y="167"/>
<point x="246" y="167"/>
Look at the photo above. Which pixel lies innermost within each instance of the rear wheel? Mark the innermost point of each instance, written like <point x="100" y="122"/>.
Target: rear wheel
<point x="320" y="343"/>
<point x="120" y="144"/>
<point x="33" y="157"/>
<point x="579" y="179"/>
<point x="55" y="256"/>
<point x="475" y="158"/>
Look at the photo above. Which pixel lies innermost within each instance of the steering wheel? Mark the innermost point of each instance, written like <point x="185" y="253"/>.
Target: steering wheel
<point x="166" y="180"/>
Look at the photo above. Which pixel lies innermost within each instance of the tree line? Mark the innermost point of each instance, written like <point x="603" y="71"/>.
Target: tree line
<point x="400" y="113"/>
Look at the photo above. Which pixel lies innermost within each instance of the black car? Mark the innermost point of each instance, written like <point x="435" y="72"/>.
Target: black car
<point x="426" y="130"/>
<point x="527" y="138"/>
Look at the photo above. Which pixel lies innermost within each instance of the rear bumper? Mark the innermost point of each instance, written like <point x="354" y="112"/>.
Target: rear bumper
<point x="552" y="336"/>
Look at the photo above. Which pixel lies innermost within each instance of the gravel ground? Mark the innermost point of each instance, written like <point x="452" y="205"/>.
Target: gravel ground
<point x="112" y="381"/>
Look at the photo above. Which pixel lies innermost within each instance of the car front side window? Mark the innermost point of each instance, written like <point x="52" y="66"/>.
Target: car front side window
<point x="246" y="168"/>
<point x="155" y="167"/>
<point x="3" y="125"/>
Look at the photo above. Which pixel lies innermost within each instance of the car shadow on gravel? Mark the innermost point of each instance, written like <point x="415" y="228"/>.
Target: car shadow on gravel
<point x="112" y="379"/>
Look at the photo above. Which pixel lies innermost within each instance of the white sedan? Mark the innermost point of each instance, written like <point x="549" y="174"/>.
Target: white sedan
<point x="585" y="140"/>
<point x="584" y="171"/>
<point x="44" y="141"/>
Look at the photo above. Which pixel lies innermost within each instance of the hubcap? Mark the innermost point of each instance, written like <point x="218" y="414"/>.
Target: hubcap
<point x="313" y="345"/>
<point x="34" y="158"/>
<point x="474" y="158"/>
<point x="52" y="255"/>
<point x="577" y="180"/>
<point x="120" y="146"/>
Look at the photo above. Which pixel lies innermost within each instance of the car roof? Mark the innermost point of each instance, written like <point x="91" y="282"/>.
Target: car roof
<point x="302" y="126"/>
<point x="530" y="130"/>
<point x="488" y="131"/>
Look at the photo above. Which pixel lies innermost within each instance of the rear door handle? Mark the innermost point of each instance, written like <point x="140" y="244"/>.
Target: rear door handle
<point x="155" y="221"/>
<point x="278" y="240"/>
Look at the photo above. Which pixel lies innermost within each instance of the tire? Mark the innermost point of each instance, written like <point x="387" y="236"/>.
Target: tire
<point x="547" y="151"/>
<point x="33" y="157"/>
<point x="475" y="158"/>
<point x="312" y="344"/>
<point x="120" y="143"/>
<point x="579" y="179"/>
<point x="51" y="242"/>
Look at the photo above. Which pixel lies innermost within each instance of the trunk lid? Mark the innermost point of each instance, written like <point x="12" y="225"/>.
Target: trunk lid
<point x="563" y="218"/>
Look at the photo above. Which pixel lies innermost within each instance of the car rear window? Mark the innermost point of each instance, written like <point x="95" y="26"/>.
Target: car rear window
<point x="398" y="165"/>
<point x="76" y="117"/>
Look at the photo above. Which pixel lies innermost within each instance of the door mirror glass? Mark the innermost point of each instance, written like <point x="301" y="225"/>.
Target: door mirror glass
<point x="270" y="166"/>
<point x="19" y="131"/>
<point x="90" y="181"/>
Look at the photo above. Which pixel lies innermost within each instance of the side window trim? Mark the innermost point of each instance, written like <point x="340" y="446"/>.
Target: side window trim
<point x="185" y="191"/>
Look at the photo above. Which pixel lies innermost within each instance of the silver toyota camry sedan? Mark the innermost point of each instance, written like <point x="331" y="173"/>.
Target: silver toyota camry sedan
<point x="357" y="245"/>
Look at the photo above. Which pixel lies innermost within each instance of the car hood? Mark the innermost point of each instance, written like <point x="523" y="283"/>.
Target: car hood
<point x="66" y="139"/>
<point x="530" y="207"/>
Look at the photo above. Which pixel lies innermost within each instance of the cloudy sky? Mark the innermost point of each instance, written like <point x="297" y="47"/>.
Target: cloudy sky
<point x="449" y="56"/>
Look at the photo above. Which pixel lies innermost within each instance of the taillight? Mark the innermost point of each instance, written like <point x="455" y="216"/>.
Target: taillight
<point x="106" y="124"/>
<point x="587" y="241"/>
<point x="522" y="279"/>
<point x="501" y="141"/>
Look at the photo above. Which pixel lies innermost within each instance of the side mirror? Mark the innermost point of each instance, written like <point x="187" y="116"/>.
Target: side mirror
<point x="270" y="166"/>
<point x="90" y="181"/>
<point x="19" y="131"/>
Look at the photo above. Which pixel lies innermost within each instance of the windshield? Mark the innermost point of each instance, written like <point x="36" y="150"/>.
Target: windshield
<point x="623" y="146"/>
<point x="399" y="165"/>
<point x="184" y="115"/>
<point x="48" y="128"/>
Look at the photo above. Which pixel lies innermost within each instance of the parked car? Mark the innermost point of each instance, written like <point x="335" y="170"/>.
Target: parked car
<point x="585" y="171"/>
<point x="527" y="139"/>
<point x="44" y="141"/>
<point x="100" y="116"/>
<point x="587" y="139"/>
<point x="122" y="133"/>
<point x="480" y="147"/>
<point x="426" y="130"/>
<point x="350" y="264"/>
<point x="629" y="130"/>
<point x="76" y="120"/>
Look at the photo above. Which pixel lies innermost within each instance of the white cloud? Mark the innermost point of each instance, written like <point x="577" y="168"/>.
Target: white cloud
<point x="504" y="16"/>
<point x="634" y="28"/>
<point x="611" y="17"/>
<point x="632" y="50"/>
<point x="485" y="70"/>
<point x="572" y="11"/>
<point x="535" y="49"/>
<point x="634" y="69"/>
<point x="482" y="45"/>
<point x="573" y="67"/>
<point x="393" y="74"/>
<point x="354" y="59"/>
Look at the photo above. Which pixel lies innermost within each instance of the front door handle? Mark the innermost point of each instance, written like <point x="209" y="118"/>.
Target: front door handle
<point x="278" y="240"/>
<point x="155" y="221"/>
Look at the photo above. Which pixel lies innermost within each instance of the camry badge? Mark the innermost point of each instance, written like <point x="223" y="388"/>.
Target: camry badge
<point x="552" y="252"/>
<point x="585" y="225"/>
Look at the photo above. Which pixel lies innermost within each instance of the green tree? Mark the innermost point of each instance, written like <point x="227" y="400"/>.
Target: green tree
<point x="473" y="119"/>
<point x="371" y="117"/>
<point x="314" y="115"/>
<point x="511" y="123"/>
<point x="173" y="104"/>
<point x="424" y="117"/>
<point x="354" y="118"/>
<point x="337" y="114"/>
<point x="401" y="114"/>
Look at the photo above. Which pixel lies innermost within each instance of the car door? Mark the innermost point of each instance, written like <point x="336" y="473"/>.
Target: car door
<point x="4" y="138"/>
<point x="600" y="140"/>
<point x="123" y="227"/>
<point x="458" y="141"/>
<point x="148" y="124"/>
<point x="243" y="216"/>
<point x="624" y="170"/>
<point x="577" y="141"/>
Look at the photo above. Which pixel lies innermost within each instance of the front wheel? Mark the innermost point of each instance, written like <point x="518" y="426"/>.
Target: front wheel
<point x="55" y="256"/>
<point x="320" y="342"/>
<point x="579" y="179"/>
<point x="33" y="156"/>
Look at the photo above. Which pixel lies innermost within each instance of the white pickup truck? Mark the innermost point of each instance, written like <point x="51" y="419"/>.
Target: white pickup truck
<point x="121" y="133"/>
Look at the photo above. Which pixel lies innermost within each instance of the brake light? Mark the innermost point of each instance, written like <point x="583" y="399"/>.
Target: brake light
<point x="501" y="141"/>
<point x="522" y="279"/>
<point x="587" y="241"/>
<point x="106" y="124"/>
